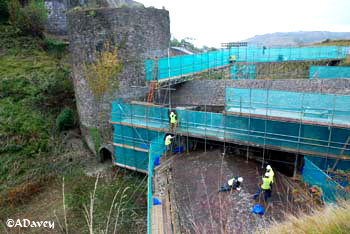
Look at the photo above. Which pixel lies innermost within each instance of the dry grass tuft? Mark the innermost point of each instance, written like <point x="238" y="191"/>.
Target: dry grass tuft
<point x="331" y="219"/>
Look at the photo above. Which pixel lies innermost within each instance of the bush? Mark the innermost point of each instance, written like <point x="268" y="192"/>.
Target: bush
<point x="55" y="47"/>
<point x="31" y="19"/>
<point x="65" y="120"/>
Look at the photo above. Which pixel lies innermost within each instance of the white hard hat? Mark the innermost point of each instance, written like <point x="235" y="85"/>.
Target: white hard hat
<point x="240" y="179"/>
<point x="267" y="174"/>
<point x="268" y="167"/>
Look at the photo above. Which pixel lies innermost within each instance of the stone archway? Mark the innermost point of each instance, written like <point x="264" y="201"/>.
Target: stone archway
<point x="105" y="154"/>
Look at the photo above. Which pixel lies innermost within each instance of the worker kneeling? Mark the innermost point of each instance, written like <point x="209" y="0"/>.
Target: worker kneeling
<point x="234" y="183"/>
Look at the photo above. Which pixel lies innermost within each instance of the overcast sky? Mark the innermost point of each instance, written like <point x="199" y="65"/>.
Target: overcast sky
<point x="216" y="21"/>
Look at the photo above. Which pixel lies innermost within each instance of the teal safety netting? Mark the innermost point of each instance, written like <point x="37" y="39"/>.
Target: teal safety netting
<point x="157" y="148"/>
<point x="182" y="65"/>
<point x="327" y="108"/>
<point x="137" y="138"/>
<point x="290" y="136"/>
<point x="134" y="159"/>
<point x="313" y="175"/>
<point x="149" y="68"/>
<point x="329" y="72"/>
<point x="243" y="72"/>
<point x="326" y="163"/>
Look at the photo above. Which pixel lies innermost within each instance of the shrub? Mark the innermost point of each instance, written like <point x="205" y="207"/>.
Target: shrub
<point x="31" y="19"/>
<point x="100" y="74"/>
<point x="55" y="47"/>
<point x="65" y="120"/>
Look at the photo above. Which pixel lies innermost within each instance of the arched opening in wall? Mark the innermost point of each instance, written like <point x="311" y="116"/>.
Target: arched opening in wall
<point x="105" y="155"/>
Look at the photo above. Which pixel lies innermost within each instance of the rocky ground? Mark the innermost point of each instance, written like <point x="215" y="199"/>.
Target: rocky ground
<point x="202" y="209"/>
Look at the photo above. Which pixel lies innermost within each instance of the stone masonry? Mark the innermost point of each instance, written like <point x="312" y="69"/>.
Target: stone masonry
<point x="212" y="92"/>
<point x="138" y="34"/>
<point x="57" y="10"/>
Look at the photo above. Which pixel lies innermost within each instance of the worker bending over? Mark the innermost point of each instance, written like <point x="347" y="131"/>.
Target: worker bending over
<point x="265" y="187"/>
<point x="173" y="121"/>
<point x="234" y="183"/>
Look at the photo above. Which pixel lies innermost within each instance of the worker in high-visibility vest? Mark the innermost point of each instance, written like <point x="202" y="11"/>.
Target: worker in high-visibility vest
<point x="168" y="142"/>
<point x="265" y="187"/>
<point x="272" y="174"/>
<point x="232" y="59"/>
<point x="234" y="183"/>
<point x="173" y="121"/>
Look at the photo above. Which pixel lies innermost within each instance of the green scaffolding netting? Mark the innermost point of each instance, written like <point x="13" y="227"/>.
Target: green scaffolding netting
<point x="313" y="175"/>
<point x="327" y="108"/>
<point x="291" y="136"/>
<point x="149" y="123"/>
<point x="186" y="64"/>
<point x="329" y="72"/>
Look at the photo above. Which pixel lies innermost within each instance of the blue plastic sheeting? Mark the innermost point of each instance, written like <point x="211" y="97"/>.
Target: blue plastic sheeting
<point x="313" y="175"/>
<point x="297" y="137"/>
<point x="186" y="64"/>
<point x="328" y="108"/>
<point x="243" y="72"/>
<point x="329" y="72"/>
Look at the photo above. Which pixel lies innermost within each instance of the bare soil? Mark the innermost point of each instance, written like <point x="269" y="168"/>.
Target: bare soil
<point x="197" y="178"/>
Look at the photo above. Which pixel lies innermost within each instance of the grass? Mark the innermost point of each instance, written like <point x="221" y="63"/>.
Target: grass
<point x="102" y="203"/>
<point x="329" y="220"/>
<point x="333" y="43"/>
<point x="35" y="86"/>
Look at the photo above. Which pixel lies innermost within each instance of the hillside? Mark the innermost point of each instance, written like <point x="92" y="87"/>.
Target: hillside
<point x="40" y="144"/>
<point x="295" y="38"/>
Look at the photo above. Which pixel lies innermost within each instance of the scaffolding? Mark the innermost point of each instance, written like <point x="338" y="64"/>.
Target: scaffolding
<point x="329" y="72"/>
<point x="245" y="58"/>
<point x="313" y="124"/>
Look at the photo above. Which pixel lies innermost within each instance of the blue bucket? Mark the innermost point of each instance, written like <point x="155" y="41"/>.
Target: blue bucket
<point x="258" y="209"/>
<point x="156" y="201"/>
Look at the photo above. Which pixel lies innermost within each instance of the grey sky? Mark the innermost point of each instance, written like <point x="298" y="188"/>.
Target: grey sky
<point x="213" y="22"/>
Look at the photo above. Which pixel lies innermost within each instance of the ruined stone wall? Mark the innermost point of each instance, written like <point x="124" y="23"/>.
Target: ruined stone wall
<point x="57" y="10"/>
<point x="212" y="92"/>
<point x="137" y="33"/>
